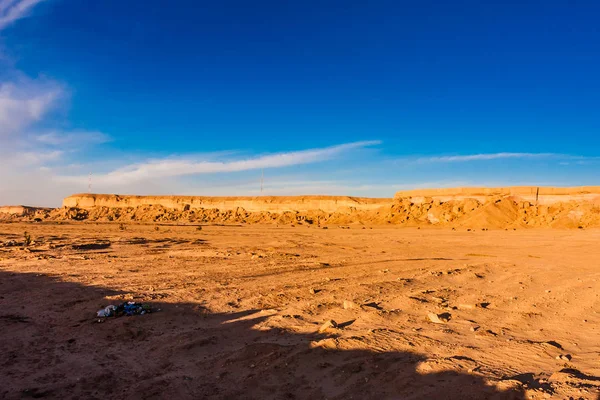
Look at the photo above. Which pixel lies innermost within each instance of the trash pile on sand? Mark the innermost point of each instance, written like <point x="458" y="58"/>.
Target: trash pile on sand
<point x="129" y="308"/>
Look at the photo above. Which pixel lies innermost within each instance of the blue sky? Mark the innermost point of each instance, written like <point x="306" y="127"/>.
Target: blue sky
<point x="328" y="97"/>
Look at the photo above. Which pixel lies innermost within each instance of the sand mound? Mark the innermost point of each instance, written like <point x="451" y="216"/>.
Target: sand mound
<point x="501" y="213"/>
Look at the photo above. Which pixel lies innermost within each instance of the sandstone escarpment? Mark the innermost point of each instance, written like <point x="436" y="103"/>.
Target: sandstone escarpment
<point x="251" y="204"/>
<point x="20" y="211"/>
<point x="533" y="194"/>
<point x="475" y="208"/>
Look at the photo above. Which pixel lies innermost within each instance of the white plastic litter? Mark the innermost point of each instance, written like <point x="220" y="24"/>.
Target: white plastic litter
<point x="107" y="312"/>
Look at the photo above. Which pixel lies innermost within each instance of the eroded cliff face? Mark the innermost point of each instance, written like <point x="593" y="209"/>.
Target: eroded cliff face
<point x="251" y="204"/>
<point x="12" y="210"/>
<point x="475" y="208"/>
<point x="533" y="194"/>
<point x="20" y="211"/>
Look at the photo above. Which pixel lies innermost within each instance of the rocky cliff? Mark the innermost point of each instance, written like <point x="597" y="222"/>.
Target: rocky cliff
<point x="21" y="211"/>
<point x="471" y="208"/>
<point x="533" y="194"/>
<point x="252" y="204"/>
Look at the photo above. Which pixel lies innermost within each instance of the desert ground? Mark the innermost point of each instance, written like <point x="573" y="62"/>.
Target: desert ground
<point x="282" y="312"/>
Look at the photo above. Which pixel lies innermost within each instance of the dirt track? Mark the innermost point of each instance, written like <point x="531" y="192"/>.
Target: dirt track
<point x="241" y="308"/>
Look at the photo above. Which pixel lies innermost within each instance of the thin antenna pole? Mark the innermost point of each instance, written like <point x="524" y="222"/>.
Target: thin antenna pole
<point x="262" y="179"/>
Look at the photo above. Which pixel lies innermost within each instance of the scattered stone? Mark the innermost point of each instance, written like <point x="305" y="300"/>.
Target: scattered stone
<point x="313" y="291"/>
<point x="294" y="316"/>
<point x="509" y="384"/>
<point x="552" y="343"/>
<point x="474" y="328"/>
<point x="564" y="357"/>
<point x="348" y="305"/>
<point x="328" y="325"/>
<point x="439" y="318"/>
<point x="373" y="305"/>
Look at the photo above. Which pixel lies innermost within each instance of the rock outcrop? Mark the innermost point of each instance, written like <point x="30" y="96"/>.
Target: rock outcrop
<point x="533" y="194"/>
<point x="475" y="208"/>
<point x="251" y="204"/>
<point x="20" y="211"/>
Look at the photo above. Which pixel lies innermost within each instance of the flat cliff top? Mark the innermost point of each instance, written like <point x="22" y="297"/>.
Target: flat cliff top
<point x="473" y="208"/>
<point x="500" y="191"/>
<point x="258" y="199"/>
<point x="20" y="210"/>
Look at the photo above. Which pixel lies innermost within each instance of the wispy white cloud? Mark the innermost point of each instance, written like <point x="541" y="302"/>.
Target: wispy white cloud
<point x="165" y="168"/>
<point x="78" y="138"/>
<point x="35" y="158"/>
<point x="484" y="157"/>
<point x="25" y="102"/>
<point x="12" y="10"/>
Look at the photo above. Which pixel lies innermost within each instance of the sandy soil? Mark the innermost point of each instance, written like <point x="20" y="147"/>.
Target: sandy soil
<point x="417" y="313"/>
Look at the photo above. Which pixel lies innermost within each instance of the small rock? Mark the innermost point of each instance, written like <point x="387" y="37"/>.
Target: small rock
<point x="474" y="328"/>
<point x="439" y="318"/>
<point x="328" y="325"/>
<point x="348" y="305"/>
<point x="564" y="357"/>
<point x="312" y="291"/>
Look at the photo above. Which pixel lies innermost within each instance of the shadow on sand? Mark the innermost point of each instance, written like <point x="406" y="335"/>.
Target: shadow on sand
<point x="51" y="346"/>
